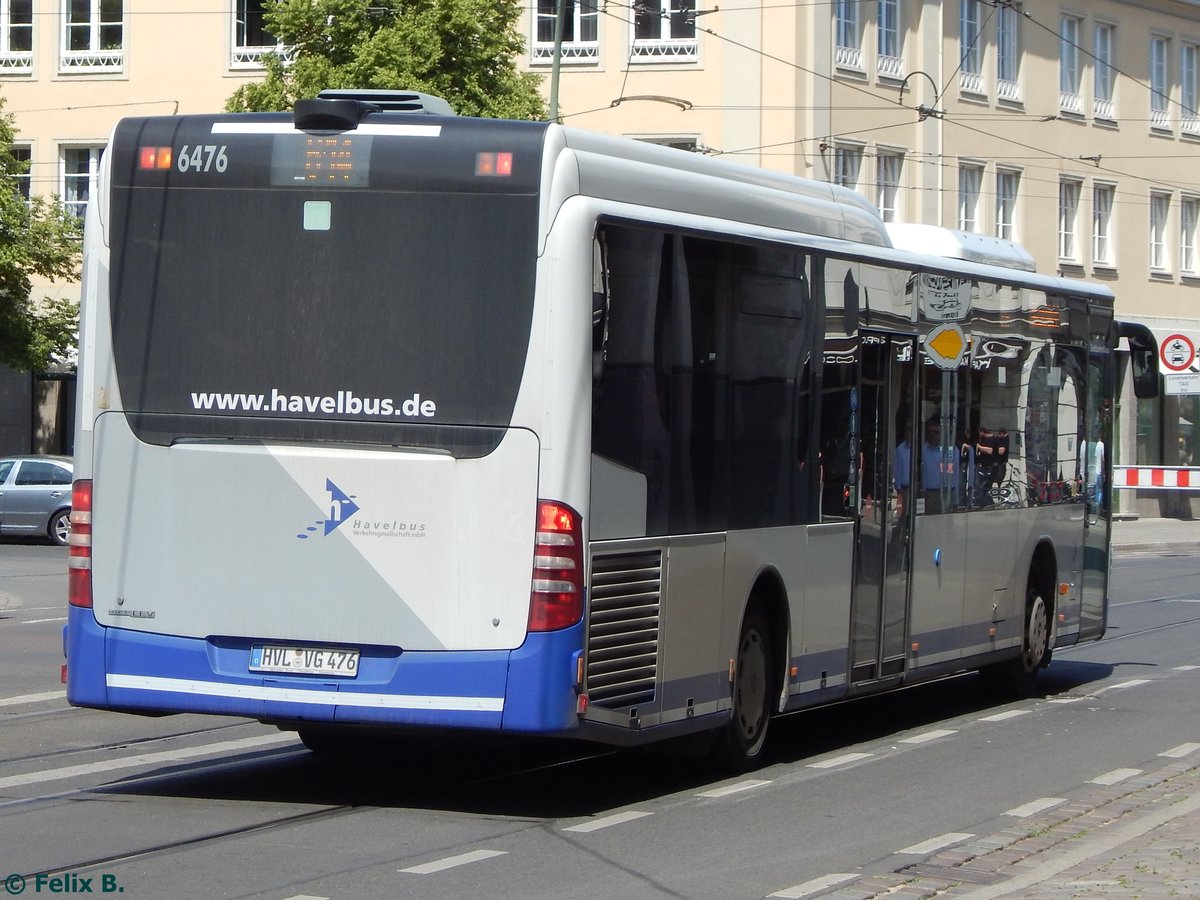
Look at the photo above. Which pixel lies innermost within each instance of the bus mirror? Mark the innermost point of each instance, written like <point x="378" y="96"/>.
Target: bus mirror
<point x="1143" y="359"/>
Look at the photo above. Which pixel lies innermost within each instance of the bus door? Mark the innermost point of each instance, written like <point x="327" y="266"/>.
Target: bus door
<point x="1095" y="465"/>
<point x="879" y="616"/>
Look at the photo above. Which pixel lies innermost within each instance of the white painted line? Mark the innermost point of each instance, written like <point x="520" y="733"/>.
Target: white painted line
<point x="1116" y="776"/>
<point x="1033" y="807"/>
<point x="40" y="621"/>
<point x="815" y="886"/>
<point x="306" y="897"/>
<point x="608" y="821"/>
<point x="842" y="760"/>
<point x="1120" y="686"/>
<point x="1181" y="751"/>
<point x="146" y="759"/>
<point x="450" y="862"/>
<point x="737" y="788"/>
<point x="928" y="736"/>
<point x="1185" y="668"/>
<point x="937" y="843"/>
<point x="1005" y="716"/>
<point x="1066" y="699"/>
<point x="32" y="698"/>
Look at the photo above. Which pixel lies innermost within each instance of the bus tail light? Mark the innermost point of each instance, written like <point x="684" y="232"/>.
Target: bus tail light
<point x="556" y="599"/>
<point x="79" y="553"/>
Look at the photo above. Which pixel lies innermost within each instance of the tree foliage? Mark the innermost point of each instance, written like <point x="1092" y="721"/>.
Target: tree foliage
<point x="462" y="50"/>
<point x="38" y="239"/>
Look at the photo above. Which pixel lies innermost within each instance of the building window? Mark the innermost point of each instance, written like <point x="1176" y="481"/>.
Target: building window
<point x="887" y="183"/>
<point x="1069" y="99"/>
<point x="1007" y="184"/>
<point x="16" y="35"/>
<point x="1160" y="90"/>
<point x="580" y="31"/>
<point x="251" y="40"/>
<point x="1008" y="54"/>
<point x="970" y="181"/>
<point x="1068" y="221"/>
<point x="970" y="77"/>
<point x="847" y="32"/>
<point x="664" y="30"/>
<point x="1189" y="220"/>
<point x="79" y="165"/>
<point x="20" y="175"/>
<point x="1104" y="80"/>
<point x="93" y="35"/>
<point x="890" y="62"/>
<point x="1102" y="209"/>
<point x="1160" y="208"/>
<point x="1189" y="88"/>
<point x="847" y="166"/>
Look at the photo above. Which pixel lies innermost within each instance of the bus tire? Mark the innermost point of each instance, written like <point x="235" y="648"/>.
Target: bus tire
<point x="742" y="740"/>
<point x="1018" y="677"/>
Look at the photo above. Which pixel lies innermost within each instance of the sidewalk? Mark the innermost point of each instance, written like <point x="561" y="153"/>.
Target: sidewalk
<point x="1138" y="839"/>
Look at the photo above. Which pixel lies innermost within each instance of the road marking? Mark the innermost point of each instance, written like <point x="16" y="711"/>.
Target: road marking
<point x="1185" y="668"/>
<point x="40" y="621"/>
<point x="450" y="862"/>
<point x="1033" y="807"/>
<point x="1115" y="776"/>
<point x="1181" y="751"/>
<point x="32" y="698"/>
<point x="1133" y="682"/>
<point x="737" y="788"/>
<point x="306" y="897"/>
<point x="928" y="736"/>
<point x="1004" y="716"/>
<point x="145" y="759"/>
<point x="844" y="759"/>
<point x="815" y="886"/>
<point x="937" y="843"/>
<point x="608" y="821"/>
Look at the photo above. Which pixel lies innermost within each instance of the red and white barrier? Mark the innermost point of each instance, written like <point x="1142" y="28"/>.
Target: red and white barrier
<point x="1169" y="478"/>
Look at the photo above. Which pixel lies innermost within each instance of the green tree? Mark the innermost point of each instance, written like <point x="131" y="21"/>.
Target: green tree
<point x="462" y="50"/>
<point x="39" y="238"/>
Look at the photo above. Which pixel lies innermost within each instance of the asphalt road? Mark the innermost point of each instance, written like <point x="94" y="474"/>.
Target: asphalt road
<point x="191" y="806"/>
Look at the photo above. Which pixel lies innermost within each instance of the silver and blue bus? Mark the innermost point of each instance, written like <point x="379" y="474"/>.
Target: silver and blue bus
<point x="392" y="420"/>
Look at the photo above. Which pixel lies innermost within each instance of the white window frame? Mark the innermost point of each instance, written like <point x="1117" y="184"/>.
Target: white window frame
<point x="1160" y="88"/>
<point x="95" y="57"/>
<point x="1104" y="196"/>
<point x="1104" y="38"/>
<point x="580" y="17"/>
<point x="20" y="59"/>
<point x="847" y="35"/>
<point x="1189" y="231"/>
<point x="847" y="165"/>
<point x="1008" y="188"/>
<point x="1008" y="54"/>
<point x="1160" y="214"/>
<point x="889" y="43"/>
<point x="1189" y="87"/>
<point x="1069" y="191"/>
<point x="665" y="46"/>
<point x="1069" y="70"/>
<point x="970" y="50"/>
<point x="889" y="166"/>
<point x="245" y="55"/>
<point x="970" y="190"/>
<point x="78" y="187"/>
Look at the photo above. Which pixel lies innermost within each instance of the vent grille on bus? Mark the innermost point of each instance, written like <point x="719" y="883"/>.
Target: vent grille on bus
<point x="623" y="628"/>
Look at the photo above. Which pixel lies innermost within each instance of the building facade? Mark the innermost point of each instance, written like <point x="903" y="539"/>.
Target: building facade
<point x="1070" y="127"/>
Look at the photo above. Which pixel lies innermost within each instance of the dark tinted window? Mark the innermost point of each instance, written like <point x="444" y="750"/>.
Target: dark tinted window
<point x="37" y="472"/>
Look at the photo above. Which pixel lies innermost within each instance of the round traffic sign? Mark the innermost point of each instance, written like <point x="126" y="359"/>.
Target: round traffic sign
<point x="1177" y="352"/>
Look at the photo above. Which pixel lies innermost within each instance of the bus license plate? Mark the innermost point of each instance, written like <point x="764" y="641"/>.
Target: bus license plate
<point x="304" y="660"/>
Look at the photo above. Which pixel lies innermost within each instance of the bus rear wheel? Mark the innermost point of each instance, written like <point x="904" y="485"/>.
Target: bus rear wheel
<point x="743" y="738"/>
<point x="1018" y="677"/>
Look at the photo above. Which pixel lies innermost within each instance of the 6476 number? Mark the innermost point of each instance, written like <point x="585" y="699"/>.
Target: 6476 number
<point x="202" y="158"/>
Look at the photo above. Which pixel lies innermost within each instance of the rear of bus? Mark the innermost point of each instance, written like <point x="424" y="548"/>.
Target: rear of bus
<point x="308" y="486"/>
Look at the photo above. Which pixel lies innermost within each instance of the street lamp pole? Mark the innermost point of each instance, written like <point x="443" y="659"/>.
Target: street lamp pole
<point x="556" y="64"/>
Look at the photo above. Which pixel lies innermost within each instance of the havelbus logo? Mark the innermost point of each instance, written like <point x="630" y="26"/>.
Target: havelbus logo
<point x="341" y="508"/>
